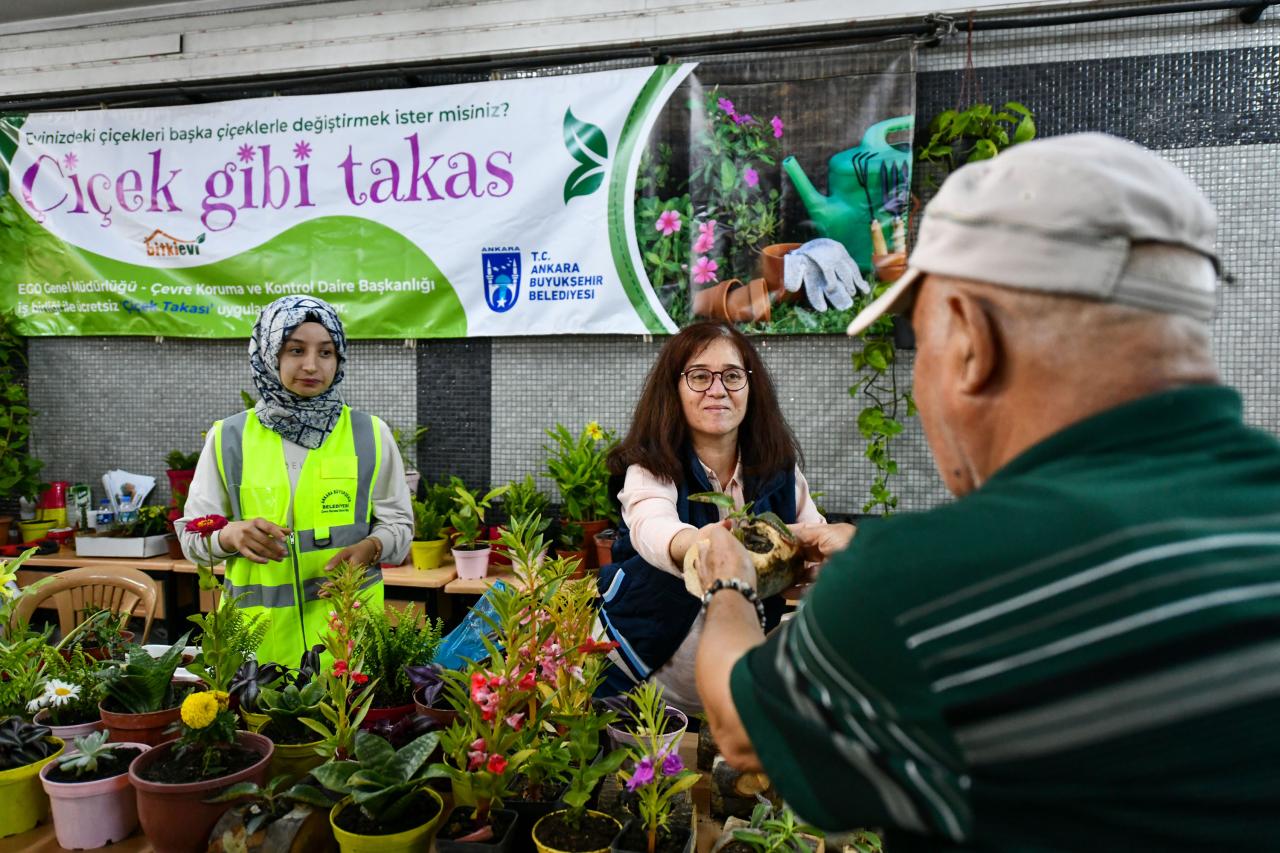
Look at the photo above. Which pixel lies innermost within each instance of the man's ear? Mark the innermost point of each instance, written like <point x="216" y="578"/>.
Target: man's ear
<point x="974" y="346"/>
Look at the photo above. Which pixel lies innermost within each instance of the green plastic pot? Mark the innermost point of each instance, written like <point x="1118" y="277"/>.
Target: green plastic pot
<point x="295" y="760"/>
<point x="409" y="841"/>
<point x="23" y="802"/>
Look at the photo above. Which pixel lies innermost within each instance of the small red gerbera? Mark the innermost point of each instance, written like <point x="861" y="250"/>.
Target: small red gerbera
<point x="359" y="678"/>
<point x="497" y="764"/>
<point x="206" y="525"/>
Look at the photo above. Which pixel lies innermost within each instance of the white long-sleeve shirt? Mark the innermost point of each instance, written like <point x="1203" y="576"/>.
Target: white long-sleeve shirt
<point x="392" y="510"/>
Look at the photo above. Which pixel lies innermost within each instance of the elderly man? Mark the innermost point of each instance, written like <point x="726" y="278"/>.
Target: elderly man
<point x="1083" y="651"/>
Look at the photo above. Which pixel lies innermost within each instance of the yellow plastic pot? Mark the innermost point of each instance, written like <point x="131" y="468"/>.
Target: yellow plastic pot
<point x="543" y="848"/>
<point x="255" y="722"/>
<point x="409" y="841"/>
<point x="33" y="530"/>
<point x="295" y="760"/>
<point x="428" y="554"/>
<point x="23" y="802"/>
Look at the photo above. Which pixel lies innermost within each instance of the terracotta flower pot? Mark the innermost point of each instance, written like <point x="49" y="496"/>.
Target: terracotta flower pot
<point x="140" y="728"/>
<point x="444" y="717"/>
<point x="472" y="565"/>
<point x="889" y="267"/>
<point x="93" y="814"/>
<point x="771" y="267"/>
<point x="68" y="733"/>
<point x="409" y="841"/>
<point x="734" y="302"/>
<point x="604" y="547"/>
<point x="176" y="818"/>
<point x="589" y="530"/>
<point x="427" y="554"/>
<point x="23" y="802"/>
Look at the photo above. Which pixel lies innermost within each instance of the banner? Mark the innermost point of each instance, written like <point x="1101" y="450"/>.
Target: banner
<point x="533" y="206"/>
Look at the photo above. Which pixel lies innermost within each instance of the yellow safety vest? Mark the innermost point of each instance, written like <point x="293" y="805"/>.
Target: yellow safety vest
<point x="332" y="509"/>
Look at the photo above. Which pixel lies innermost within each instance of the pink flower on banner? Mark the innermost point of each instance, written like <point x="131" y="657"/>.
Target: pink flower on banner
<point x="750" y="177"/>
<point x="726" y="105"/>
<point x="706" y="238"/>
<point x="668" y="223"/>
<point x="704" y="270"/>
<point x="777" y="127"/>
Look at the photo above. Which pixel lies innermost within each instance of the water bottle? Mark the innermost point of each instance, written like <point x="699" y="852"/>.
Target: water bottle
<point x="104" y="519"/>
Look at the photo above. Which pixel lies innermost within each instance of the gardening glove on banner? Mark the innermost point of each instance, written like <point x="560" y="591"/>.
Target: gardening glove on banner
<point x="827" y="272"/>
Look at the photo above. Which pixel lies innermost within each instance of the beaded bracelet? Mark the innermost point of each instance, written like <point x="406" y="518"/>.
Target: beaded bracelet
<point x="740" y="586"/>
<point x="377" y="554"/>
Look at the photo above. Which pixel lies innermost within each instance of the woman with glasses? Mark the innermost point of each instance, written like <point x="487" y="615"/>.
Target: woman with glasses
<point x="707" y="420"/>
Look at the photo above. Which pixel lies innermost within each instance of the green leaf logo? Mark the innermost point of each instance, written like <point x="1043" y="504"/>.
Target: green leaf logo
<point x="587" y="145"/>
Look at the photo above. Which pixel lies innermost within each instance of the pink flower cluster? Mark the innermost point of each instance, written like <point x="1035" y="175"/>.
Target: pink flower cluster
<point x="704" y="268"/>
<point x="484" y="692"/>
<point x="478" y="759"/>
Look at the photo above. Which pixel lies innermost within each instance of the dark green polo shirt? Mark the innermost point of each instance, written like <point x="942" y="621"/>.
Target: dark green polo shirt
<point x="1083" y="654"/>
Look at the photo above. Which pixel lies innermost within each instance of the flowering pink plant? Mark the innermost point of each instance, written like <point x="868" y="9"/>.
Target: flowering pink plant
<point x="659" y="772"/>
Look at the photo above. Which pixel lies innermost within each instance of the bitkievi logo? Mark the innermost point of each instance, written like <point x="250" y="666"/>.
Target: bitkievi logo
<point x="336" y="501"/>
<point x="164" y="245"/>
<point x="501" y="267"/>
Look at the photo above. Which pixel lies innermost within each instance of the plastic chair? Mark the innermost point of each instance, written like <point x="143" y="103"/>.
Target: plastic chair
<point x="120" y="590"/>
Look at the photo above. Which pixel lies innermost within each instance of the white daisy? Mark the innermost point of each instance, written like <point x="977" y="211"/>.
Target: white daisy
<point x="58" y="693"/>
<point x="35" y="705"/>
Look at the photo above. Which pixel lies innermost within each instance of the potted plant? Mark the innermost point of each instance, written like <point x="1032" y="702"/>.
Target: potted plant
<point x="428" y="694"/>
<point x="101" y="635"/>
<point x="407" y="443"/>
<point x="19" y="470"/>
<point x="523" y="500"/>
<point x="93" y="803"/>
<point x="246" y="688"/>
<point x="286" y="710"/>
<point x="633" y="728"/>
<point x="776" y="830"/>
<point x="978" y="132"/>
<point x="385" y="795"/>
<point x="428" y="543"/>
<point x="180" y="469"/>
<point x="140" y="698"/>
<point x="569" y="546"/>
<point x="656" y="777"/>
<point x="228" y="637"/>
<point x="68" y="704"/>
<point x="467" y="516"/>
<point x="176" y="780"/>
<point x="603" y="542"/>
<point x="24" y="749"/>
<point x="577" y="465"/>
<point x="270" y="818"/>
<point x="394" y="640"/>
<point x="774" y="550"/>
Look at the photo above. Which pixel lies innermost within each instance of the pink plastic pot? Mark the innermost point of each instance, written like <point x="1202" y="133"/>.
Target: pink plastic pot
<point x="471" y="565"/>
<point x="87" y="815"/>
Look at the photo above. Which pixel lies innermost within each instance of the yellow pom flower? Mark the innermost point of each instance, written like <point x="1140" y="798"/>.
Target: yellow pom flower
<point x="199" y="709"/>
<point x="223" y="697"/>
<point x="594" y="432"/>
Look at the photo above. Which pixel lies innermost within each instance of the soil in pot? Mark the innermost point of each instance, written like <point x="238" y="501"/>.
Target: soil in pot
<point x="594" y="832"/>
<point x="737" y="847"/>
<point x="288" y="736"/>
<point x="111" y="765"/>
<point x="353" y="820"/>
<point x="182" y="770"/>
<point x="636" y="838"/>
<point x="460" y="823"/>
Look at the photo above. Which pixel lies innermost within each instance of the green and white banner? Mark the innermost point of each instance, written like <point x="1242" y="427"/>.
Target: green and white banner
<point x="488" y="209"/>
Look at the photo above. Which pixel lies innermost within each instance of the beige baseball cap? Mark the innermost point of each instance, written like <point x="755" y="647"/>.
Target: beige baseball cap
<point x="1060" y="215"/>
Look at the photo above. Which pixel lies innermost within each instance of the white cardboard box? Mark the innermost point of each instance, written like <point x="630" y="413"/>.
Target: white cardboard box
<point x="121" y="546"/>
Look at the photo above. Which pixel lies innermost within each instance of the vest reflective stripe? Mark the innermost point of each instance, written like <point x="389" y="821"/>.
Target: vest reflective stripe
<point x="332" y="509"/>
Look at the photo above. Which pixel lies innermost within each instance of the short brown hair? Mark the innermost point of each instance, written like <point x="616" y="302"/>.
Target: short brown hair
<point x="659" y="434"/>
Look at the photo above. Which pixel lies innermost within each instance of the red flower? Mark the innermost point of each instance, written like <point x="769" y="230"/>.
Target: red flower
<point x="497" y="764"/>
<point x="206" y="525"/>
<point x="340" y="668"/>
<point x="527" y="681"/>
<point x="359" y="678"/>
<point x="591" y="647"/>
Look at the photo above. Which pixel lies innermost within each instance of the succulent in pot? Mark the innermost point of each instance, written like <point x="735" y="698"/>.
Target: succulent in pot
<point x="775" y="552"/>
<point x="141" y="699"/>
<point x="24" y="749"/>
<point x="92" y="800"/>
<point x="249" y="681"/>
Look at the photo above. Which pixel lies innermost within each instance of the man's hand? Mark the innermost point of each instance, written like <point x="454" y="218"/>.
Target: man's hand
<point x="257" y="540"/>
<point x="720" y="555"/>
<point x="820" y="541"/>
<point x="361" y="554"/>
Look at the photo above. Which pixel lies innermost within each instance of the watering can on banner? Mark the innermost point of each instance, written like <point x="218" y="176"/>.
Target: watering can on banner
<point x="868" y="183"/>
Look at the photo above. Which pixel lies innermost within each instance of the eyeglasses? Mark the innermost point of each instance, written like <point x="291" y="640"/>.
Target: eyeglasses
<point x="700" y="379"/>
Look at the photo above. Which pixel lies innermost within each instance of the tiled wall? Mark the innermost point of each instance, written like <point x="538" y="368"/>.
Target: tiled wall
<point x="1200" y="88"/>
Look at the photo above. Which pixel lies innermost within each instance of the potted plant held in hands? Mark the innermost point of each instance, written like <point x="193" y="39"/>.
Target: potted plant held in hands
<point x="577" y="465"/>
<point x="93" y="802"/>
<point x="467" y="518"/>
<point x="25" y="749"/>
<point x="176" y="780"/>
<point x="775" y="551"/>
<point x="387" y="805"/>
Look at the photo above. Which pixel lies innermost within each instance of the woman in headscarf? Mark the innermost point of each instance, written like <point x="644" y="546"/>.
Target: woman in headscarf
<point x="305" y="481"/>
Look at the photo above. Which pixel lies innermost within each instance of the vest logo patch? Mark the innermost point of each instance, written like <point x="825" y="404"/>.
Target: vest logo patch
<point x="335" y="501"/>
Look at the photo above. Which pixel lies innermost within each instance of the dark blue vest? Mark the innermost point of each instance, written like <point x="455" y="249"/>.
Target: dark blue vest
<point x="647" y="611"/>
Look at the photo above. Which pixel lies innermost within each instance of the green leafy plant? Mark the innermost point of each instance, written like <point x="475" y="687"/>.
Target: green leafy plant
<point x="19" y="470"/>
<point x="151" y="521"/>
<point x="23" y="743"/>
<point x="383" y="782"/>
<point x="657" y="775"/>
<point x="577" y="465"/>
<point x="427" y="521"/>
<point x="880" y="422"/>
<point x="776" y="830"/>
<point x="251" y="678"/>
<point x="978" y="132"/>
<point x="265" y="804"/>
<point x="228" y="637"/>
<point x="393" y="640"/>
<point x="525" y="500"/>
<point x="585" y="772"/>
<point x="91" y="751"/>
<point x="407" y="440"/>
<point x="178" y="460"/>
<point x="289" y="707"/>
<point x="71" y="689"/>
<point x="570" y="537"/>
<point x="467" y="515"/>
<point x="349" y="689"/>
<point x="98" y="629"/>
<point x="23" y="660"/>
<point x="144" y="684"/>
